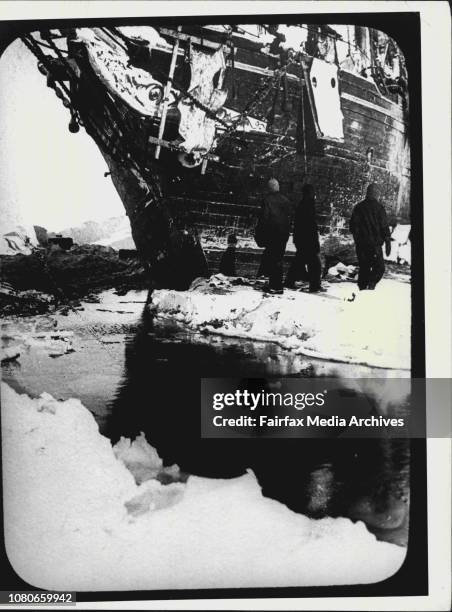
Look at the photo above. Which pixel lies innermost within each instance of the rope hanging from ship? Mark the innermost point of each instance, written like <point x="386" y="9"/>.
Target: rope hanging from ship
<point x="269" y="85"/>
<point x="123" y="151"/>
<point x="231" y="128"/>
<point x="67" y="97"/>
<point x="183" y="90"/>
<point x="253" y="102"/>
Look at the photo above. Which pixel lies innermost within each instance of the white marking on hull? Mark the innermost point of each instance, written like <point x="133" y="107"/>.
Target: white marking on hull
<point x="396" y="115"/>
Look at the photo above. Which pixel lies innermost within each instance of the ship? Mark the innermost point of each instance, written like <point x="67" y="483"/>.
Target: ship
<point x="193" y="120"/>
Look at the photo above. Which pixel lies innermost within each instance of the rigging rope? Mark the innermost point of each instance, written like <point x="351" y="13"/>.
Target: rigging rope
<point x="118" y="121"/>
<point x="121" y="155"/>
<point x="115" y="120"/>
<point x="230" y="127"/>
<point x="304" y="132"/>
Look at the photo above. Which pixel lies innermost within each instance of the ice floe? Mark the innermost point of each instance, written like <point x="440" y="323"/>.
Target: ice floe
<point x="343" y="324"/>
<point x="76" y="519"/>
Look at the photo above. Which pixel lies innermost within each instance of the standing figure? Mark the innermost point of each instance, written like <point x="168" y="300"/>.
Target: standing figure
<point x="370" y="229"/>
<point x="306" y="263"/>
<point x="227" y="263"/>
<point x="272" y="232"/>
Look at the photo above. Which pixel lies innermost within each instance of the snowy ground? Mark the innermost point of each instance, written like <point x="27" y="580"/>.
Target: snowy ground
<point x="76" y="519"/>
<point x="343" y="324"/>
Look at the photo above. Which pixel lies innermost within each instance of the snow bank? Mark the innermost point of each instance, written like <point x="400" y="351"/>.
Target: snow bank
<point x="369" y="327"/>
<point x="75" y="519"/>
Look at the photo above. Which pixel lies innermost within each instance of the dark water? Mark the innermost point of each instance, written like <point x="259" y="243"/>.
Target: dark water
<point x="160" y="395"/>
<point x="149" y="380"/>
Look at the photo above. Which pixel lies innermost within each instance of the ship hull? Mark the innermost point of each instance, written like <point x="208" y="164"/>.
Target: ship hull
<point x="375" y="149"/>
<point x="163" y="197"/>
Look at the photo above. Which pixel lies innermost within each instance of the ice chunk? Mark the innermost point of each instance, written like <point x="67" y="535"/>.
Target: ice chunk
<point x="139" y="457"/>
<point x="66" y="492"/>
<point x="370" y="328"/>
<point x="341" y="271"/>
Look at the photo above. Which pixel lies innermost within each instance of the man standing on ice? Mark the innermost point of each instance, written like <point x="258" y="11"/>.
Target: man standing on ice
<point x="306" y="263"/>
<point x="272" y="232"/>
<point x="370" y="229"/>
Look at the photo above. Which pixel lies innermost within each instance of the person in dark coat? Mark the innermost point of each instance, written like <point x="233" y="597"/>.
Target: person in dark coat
<point x="274" y="229"/>
<point x="227" y="263"/>
<point x="306" y="263"/>
<point x="370" y="229"/>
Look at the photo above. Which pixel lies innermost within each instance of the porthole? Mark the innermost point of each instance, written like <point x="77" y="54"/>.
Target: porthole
<point x="333" y="82"/>
<point x="314" y="81"/>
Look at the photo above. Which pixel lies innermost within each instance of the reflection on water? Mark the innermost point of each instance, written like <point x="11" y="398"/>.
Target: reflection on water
<point x="160" y="395"/>
<point x="146" y="377"/>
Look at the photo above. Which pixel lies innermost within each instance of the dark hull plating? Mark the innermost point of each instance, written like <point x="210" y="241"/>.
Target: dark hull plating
<point x="225" y="197"/>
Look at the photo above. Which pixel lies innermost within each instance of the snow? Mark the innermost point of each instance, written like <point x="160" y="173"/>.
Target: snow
<point x="400" y="245"/>
<point x="343" y="324"/>
<point x="144" y="34"/>
<point x="18" y="239"/>
<point x="76" y="519"/>
<point x="143" y="461"/>
<point x="55" y="343"/>
<point x="341" y="271"/>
